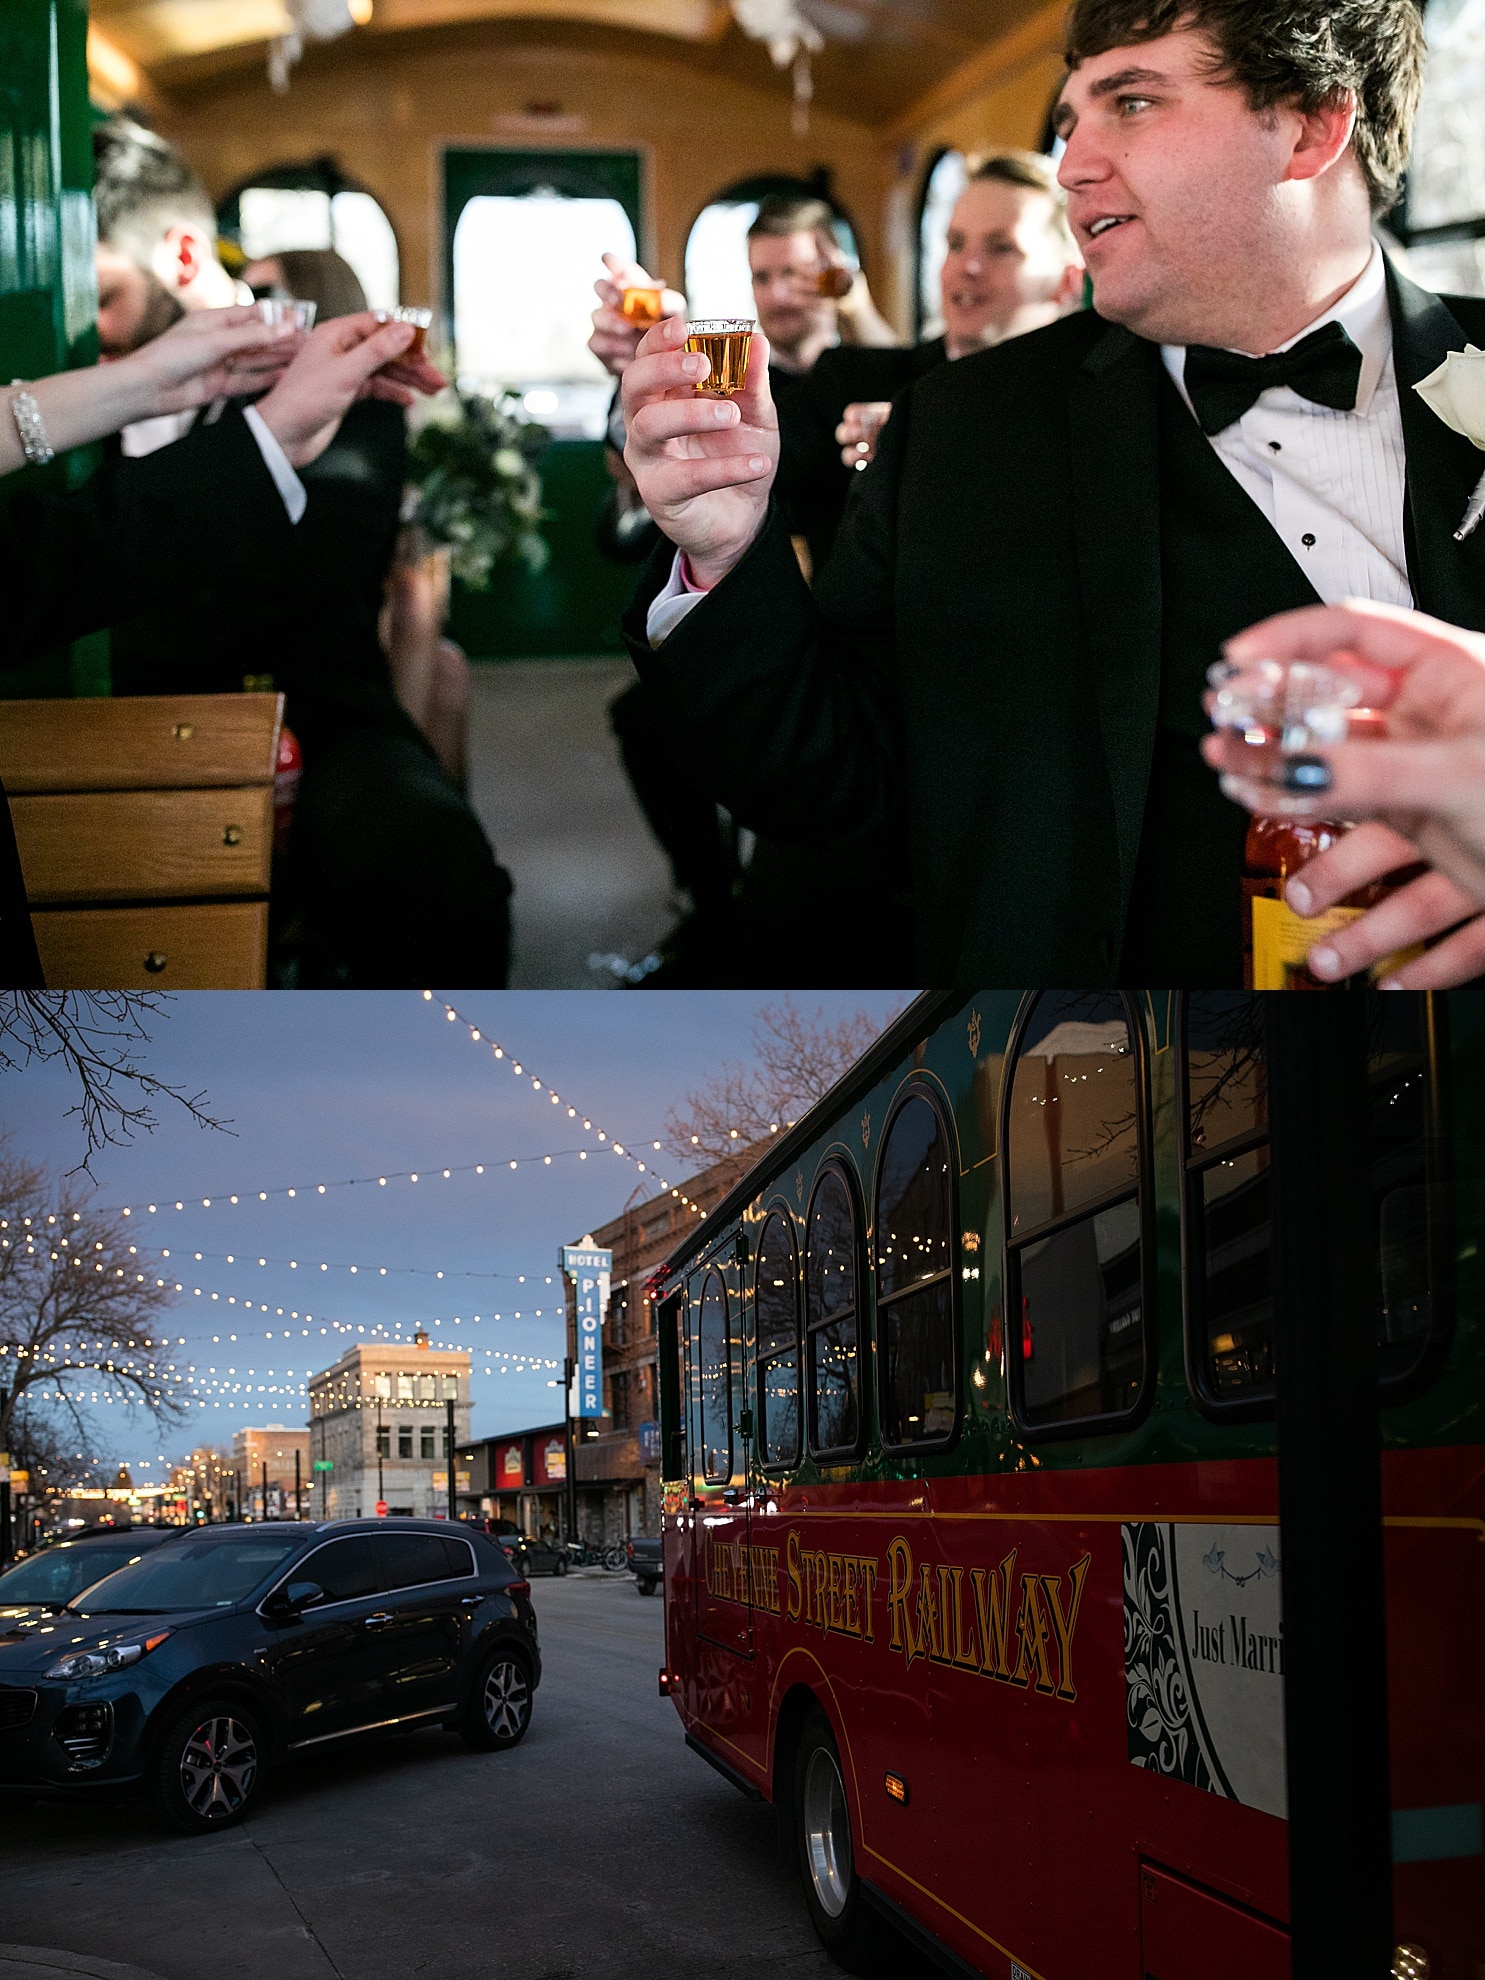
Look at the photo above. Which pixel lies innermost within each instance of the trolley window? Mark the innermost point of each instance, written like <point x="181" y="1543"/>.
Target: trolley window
<point x="915" y="1286"/>
<point x="834" y="1346"/>
<point x="671" y="1352"/>
<point x="776" y="1317"/>
<point x="1072" y="1168"/>
<point x="1229" y="1271"/>
<point x="715" y="1360"/>
<point x="1229" y="1289"/>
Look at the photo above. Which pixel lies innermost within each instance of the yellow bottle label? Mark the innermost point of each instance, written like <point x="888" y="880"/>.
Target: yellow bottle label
<point x="1282" y="939"/>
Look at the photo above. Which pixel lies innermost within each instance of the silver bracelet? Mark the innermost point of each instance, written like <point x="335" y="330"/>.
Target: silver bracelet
<point x="29" y="426"/>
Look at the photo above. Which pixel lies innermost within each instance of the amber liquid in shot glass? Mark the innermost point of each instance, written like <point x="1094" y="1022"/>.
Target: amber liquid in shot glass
<point x="642" y="307"/>
<point x="420" y="319"/>
<point x="835" y="282"/>
<point x="725" y="342"/>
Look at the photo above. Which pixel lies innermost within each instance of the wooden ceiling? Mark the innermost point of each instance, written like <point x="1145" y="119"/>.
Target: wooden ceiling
<point x="881" y="56"/>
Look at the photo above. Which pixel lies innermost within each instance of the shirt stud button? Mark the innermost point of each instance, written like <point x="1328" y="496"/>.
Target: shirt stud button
<point x="1273" y="447"/>
<point x="1308" y="540"/>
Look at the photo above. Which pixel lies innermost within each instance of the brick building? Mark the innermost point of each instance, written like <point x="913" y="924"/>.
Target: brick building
<point x="617" y="1456"/>
<point x="263" y="1471"/>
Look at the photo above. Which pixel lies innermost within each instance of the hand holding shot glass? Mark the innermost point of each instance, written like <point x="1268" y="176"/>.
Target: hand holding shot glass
<point x="1387" y="726"/>
<point x="702" y="436"/>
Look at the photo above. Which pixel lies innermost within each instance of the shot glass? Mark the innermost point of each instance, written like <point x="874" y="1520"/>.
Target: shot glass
<point x="286" y="312"/>
<point x="420" y="319"/>
<point x="1286" y="708"/>
<point x="643" y="306"/>
<point x="726" y="342"/>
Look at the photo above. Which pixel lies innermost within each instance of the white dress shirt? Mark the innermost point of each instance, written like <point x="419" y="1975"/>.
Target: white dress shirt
<point x="1330" y="483"/>
<point x="148" y="436"/>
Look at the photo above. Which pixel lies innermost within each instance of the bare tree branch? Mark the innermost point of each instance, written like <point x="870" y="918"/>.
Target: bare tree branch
<point x="798" y="1058"/>
<point x="94" y="1032"/>
<point x="82" y="1316"/>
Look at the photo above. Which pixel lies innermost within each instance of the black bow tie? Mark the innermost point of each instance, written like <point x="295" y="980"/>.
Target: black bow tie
<point x="1324" y="367"/>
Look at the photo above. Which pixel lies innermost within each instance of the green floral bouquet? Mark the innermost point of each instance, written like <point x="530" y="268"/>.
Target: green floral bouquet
<point x="473" y="484"/>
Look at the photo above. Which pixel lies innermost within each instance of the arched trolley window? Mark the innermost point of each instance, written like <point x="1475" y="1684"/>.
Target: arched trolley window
<point x="716" y="275"/>
<point x="714" y="1363"/>
<point x="832" y="1311"/>
<point x="314" y="205"/>
<point x="917" y="1328"/>
<point x="1074" y="1168"/>
<point x="1226" y="1241"/>
<point x="776" y="1320"/>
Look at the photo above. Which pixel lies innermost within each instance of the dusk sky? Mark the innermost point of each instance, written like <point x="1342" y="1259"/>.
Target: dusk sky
<point x="323" y="1088"/>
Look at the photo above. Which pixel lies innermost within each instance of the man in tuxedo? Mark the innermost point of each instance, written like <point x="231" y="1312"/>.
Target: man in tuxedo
<point x="1010" y="265"/>
<point x="393" y="879"/>
<point x="1007" y="651"/>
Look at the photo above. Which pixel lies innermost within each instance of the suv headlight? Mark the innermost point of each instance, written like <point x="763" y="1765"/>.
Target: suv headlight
<point x="107" y="1657"/>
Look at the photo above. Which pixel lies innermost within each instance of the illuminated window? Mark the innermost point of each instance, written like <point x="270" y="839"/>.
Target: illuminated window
<point x="314" y="206"/>
<point x="715" y="1361"/>
<point x="1442" y="216"/>
<point x="524" y="268"/>
<point x="913" y="1230"/>
<point x="1229" y="1273"/>
<point x="945" y="182"/>
<point x="836" y="1416"/>
<point x="1072" y="1167"/>
<point x="776" y="1319"/>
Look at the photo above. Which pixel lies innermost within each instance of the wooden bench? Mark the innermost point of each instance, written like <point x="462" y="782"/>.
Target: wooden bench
<point x="145" y="829"/>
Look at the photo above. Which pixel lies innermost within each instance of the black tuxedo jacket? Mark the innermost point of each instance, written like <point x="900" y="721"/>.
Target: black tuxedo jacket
<point x="71" y="562"/>
<point x="980" y="663"/>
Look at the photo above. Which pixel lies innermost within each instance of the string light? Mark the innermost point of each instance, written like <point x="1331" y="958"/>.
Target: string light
<point x="521" y="1071"/>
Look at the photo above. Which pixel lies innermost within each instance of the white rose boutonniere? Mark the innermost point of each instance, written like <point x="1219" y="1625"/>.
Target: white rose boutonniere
<point x="1456" y="392"/>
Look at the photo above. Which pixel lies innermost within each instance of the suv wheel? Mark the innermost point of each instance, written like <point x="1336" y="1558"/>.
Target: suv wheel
<point x="846" y="1928"/>
<point x="209" y="1766"/>
<point x="499" y="1709"/>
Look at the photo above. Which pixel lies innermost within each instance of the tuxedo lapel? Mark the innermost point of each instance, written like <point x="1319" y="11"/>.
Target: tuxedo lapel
<point x="1448" y="578"/>
<point x="1114" y="437"/>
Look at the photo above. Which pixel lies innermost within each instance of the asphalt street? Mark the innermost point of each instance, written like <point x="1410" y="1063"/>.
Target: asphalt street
<point x="601" y="1848"/>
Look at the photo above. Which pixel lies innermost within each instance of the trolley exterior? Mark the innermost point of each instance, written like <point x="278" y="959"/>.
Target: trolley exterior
<point x="971" y="1510"/>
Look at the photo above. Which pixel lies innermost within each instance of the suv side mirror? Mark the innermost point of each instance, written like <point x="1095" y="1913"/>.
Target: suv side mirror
<point x="293" y="1597"/>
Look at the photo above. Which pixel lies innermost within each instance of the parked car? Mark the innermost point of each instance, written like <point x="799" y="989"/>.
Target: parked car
<point x="533" y="1556"/>
<point x="192" y="1671"/>
<point x="50" y="1579"/>
<point x="646" y="1563"/>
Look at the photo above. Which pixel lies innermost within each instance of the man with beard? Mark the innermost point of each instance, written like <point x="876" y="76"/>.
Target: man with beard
<point x="390" y="879"/>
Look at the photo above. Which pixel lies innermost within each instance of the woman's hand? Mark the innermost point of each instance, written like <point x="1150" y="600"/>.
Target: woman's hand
<point x="209" y="354"/>
<point x="1422" y="785"/>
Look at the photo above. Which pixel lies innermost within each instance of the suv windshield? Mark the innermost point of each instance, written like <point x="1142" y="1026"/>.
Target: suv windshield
<point x="194" y="1574"/>
<point x="53" y="1578"/>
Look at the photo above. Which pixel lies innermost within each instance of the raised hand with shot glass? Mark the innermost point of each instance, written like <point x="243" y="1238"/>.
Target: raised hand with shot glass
<point x="630" y="301"/>
<point x="704" y="464"/>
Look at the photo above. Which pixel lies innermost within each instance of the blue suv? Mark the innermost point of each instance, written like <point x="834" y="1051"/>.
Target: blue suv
<point x="191" y="1671"/>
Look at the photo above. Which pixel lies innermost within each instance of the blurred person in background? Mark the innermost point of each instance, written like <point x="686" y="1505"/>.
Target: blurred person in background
<point x="738" y="907"/>
<point x="389" y="877"/>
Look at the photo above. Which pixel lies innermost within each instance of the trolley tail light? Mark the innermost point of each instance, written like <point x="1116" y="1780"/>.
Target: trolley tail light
<point x="669" y="1682"/>
<point x="897" y="1788"/>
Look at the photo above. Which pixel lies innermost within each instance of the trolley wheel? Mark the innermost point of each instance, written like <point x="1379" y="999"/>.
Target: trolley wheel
<point x="208" y="1766"/>
<point x="844" y="1923"/>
